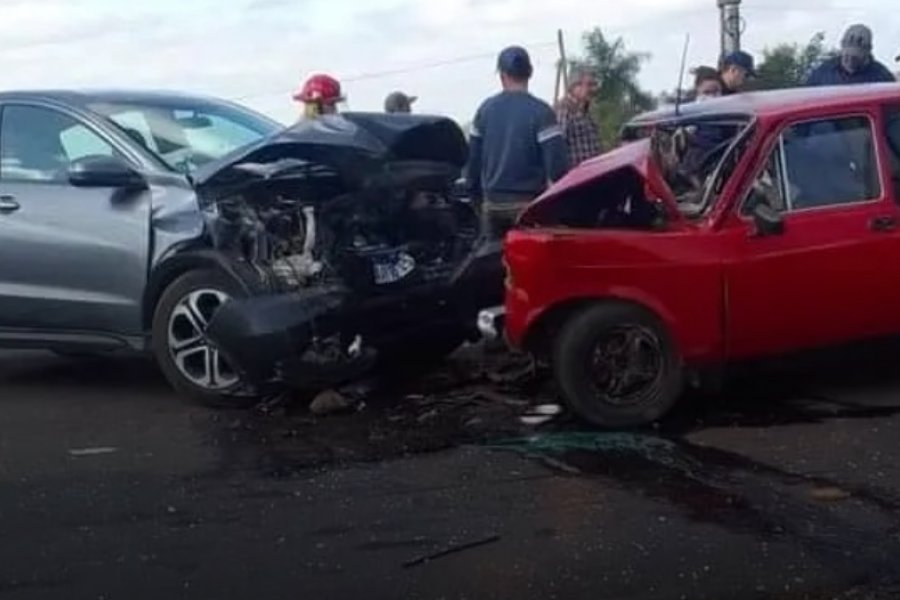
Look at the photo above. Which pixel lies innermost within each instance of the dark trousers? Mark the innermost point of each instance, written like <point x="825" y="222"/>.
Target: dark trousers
<point x="500" y="211"/>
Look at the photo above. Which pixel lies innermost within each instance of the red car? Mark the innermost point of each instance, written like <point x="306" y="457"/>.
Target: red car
<point x="737" y="228"/>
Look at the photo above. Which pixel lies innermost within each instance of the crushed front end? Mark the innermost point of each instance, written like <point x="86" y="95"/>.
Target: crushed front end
<point x="357" y="249"/>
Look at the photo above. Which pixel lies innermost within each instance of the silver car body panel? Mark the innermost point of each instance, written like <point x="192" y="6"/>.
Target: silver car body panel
<point x="76" y="261"/>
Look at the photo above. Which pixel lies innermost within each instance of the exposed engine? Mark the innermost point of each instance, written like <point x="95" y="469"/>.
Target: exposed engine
<point x="369" y="240"/>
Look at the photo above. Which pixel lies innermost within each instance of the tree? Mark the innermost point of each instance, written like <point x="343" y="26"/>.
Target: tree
<point x="619" y="96"/>
<point x="787" y="65"/>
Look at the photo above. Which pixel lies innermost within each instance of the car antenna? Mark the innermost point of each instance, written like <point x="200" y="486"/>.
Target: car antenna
<point x="687" y="42"/>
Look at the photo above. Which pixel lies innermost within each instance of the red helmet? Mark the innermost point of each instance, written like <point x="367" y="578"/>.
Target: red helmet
<point x="320" y="88"/>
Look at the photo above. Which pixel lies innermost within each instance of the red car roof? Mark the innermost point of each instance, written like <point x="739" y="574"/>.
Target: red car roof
<point x="776" y="102"/>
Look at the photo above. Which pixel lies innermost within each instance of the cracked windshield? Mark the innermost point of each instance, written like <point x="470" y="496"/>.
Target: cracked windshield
<point x="466" y="300"/>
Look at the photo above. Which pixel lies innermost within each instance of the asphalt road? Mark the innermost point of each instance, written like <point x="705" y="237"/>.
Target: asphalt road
<point x="787" y="485"/>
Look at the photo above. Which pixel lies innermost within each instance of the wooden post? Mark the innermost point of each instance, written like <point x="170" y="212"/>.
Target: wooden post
<point x="562" y="68"/>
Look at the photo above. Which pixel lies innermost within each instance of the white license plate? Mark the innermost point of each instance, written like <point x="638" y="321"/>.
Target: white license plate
<point x="393" y="269"/>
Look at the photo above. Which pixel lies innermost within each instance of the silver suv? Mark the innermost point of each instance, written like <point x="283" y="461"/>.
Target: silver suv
<point x="127" y="220"/>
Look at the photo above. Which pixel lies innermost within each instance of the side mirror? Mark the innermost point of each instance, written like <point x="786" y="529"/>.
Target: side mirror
<point x="104" y="171"/>
<point x="767" y="220"/>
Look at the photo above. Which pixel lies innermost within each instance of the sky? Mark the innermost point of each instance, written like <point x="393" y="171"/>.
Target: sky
<point x="257" y="52"/>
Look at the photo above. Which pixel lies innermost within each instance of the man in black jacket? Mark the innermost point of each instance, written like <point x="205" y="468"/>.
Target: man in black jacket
<point x="855" y="64"/>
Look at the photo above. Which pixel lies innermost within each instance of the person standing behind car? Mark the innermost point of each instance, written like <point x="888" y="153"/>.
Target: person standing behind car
<point x="737" y="67"/>
<point x="516" y="147"/>
<point x="574" y="114"/>
<point x="854" y="65"/>
<point x="707" y="83"/>
<point x="398" y="102"/>
<point x="320" y="95"/>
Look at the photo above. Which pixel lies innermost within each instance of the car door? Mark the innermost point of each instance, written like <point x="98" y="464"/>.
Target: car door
<point x="73" y="260"/>
<point x="820" y="279"/>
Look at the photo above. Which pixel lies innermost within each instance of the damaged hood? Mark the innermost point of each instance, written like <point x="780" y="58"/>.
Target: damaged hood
<point x="356" y="145"/>
<point x="635" y="155"/>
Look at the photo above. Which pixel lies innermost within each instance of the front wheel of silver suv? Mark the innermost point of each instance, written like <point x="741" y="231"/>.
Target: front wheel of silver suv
<point x="191" y="363"/>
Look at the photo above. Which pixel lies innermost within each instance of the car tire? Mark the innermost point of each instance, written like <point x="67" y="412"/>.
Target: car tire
<point x="192" y="366"/>
<point x="617" y="347"/>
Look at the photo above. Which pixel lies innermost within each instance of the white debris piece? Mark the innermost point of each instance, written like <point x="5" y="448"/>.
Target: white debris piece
<point x="92" y="451"/>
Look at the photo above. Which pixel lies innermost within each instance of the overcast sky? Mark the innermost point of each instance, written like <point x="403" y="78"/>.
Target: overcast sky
<point x="258" y="51"/>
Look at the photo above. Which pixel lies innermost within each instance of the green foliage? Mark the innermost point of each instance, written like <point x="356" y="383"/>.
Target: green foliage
<point x="619" y="96"/>
<point x="787" y="65"/>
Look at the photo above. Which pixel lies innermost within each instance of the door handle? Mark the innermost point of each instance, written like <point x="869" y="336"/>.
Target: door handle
<point x="883" y="223"/>
<point x="8" y="204"/>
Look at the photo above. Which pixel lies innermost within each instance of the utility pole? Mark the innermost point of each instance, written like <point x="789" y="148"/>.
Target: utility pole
<point x="562" y="69"/>
<point x="731" y="25"/>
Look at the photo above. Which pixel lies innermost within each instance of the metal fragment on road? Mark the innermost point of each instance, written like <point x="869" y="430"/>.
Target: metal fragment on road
<point x="92" y="451"/>
<point x="451" y="550"/>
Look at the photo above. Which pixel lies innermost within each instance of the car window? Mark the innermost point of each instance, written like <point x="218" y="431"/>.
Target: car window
<point x="892" y="136"/>
<point x="819" y="163"/>
<point x="768" y="187"/>
<point x="38" y="144"/>
<point x="212" y="134"/>
<point x="830" y="162"/>
<point x="135" y="125"/>
<point x="187" y="134"/>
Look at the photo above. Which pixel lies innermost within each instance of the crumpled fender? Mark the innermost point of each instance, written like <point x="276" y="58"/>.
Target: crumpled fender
<point x="635" y="155"/>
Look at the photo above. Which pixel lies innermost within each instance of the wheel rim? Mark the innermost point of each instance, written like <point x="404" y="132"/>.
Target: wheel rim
<point x="626" y="363"/>
<point x="195" y="357"/>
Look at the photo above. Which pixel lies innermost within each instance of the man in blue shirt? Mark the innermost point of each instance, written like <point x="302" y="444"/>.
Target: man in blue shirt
<point x="516" y="147"/>
<point x="855" y="63"/>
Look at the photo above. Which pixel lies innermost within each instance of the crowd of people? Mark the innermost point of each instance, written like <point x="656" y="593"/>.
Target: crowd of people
<point x="519" y="143"/>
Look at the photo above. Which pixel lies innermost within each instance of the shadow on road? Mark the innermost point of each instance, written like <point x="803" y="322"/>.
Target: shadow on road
<point x="857" y="381"/>
<point x="44" y="372"/>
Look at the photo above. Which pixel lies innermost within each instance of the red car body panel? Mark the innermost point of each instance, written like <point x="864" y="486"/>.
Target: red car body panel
<point x="724" y="292"/>
<point x="635" y="156"/>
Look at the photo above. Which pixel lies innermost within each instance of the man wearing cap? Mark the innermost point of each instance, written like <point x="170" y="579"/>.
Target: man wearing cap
<point x="574" y="114"/>
<point x="516" y="147"/>
<point x="737" y="67"/>
<point x="398" y="102"/>
<point x="855" y="64"/>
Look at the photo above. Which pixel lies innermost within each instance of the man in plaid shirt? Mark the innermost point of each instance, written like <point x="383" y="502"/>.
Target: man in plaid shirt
<point x="574" y="115"/>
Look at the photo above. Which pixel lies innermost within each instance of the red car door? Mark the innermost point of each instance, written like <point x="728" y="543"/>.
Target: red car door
<point x="819" y="279"/>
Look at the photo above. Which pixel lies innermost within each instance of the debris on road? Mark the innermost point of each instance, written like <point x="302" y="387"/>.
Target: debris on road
<point x="541" y="414"/>
<point x="829" y="494"/>
<point x="451" y="405"/>
<point x="451" y="550"/>
<point x="329" y="402"/>
<point x="92" y="451"/>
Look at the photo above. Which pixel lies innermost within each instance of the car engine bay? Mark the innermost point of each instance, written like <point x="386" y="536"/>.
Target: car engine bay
<point x="370" y="240"/>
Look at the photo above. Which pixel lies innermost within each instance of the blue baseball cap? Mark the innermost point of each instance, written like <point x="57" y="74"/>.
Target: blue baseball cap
<point x="741" y="59"/>
<point x="515" y="62"/>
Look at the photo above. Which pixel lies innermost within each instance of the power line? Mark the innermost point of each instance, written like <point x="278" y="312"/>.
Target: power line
<point x="399" y="71"/>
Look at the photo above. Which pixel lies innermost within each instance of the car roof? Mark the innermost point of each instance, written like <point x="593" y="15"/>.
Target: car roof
<point x="776" y="102"/>
<point x="84" y="98"/>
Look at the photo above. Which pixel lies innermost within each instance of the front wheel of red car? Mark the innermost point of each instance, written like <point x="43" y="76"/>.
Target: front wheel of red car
<point x="617" y="366"/>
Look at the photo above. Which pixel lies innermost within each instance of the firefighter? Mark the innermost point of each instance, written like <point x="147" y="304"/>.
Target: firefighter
<point x="320" y="95"/>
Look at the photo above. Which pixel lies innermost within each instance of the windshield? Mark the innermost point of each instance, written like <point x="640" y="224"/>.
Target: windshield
<point x="187" y="134"/>
<point x="697" y="158"/>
